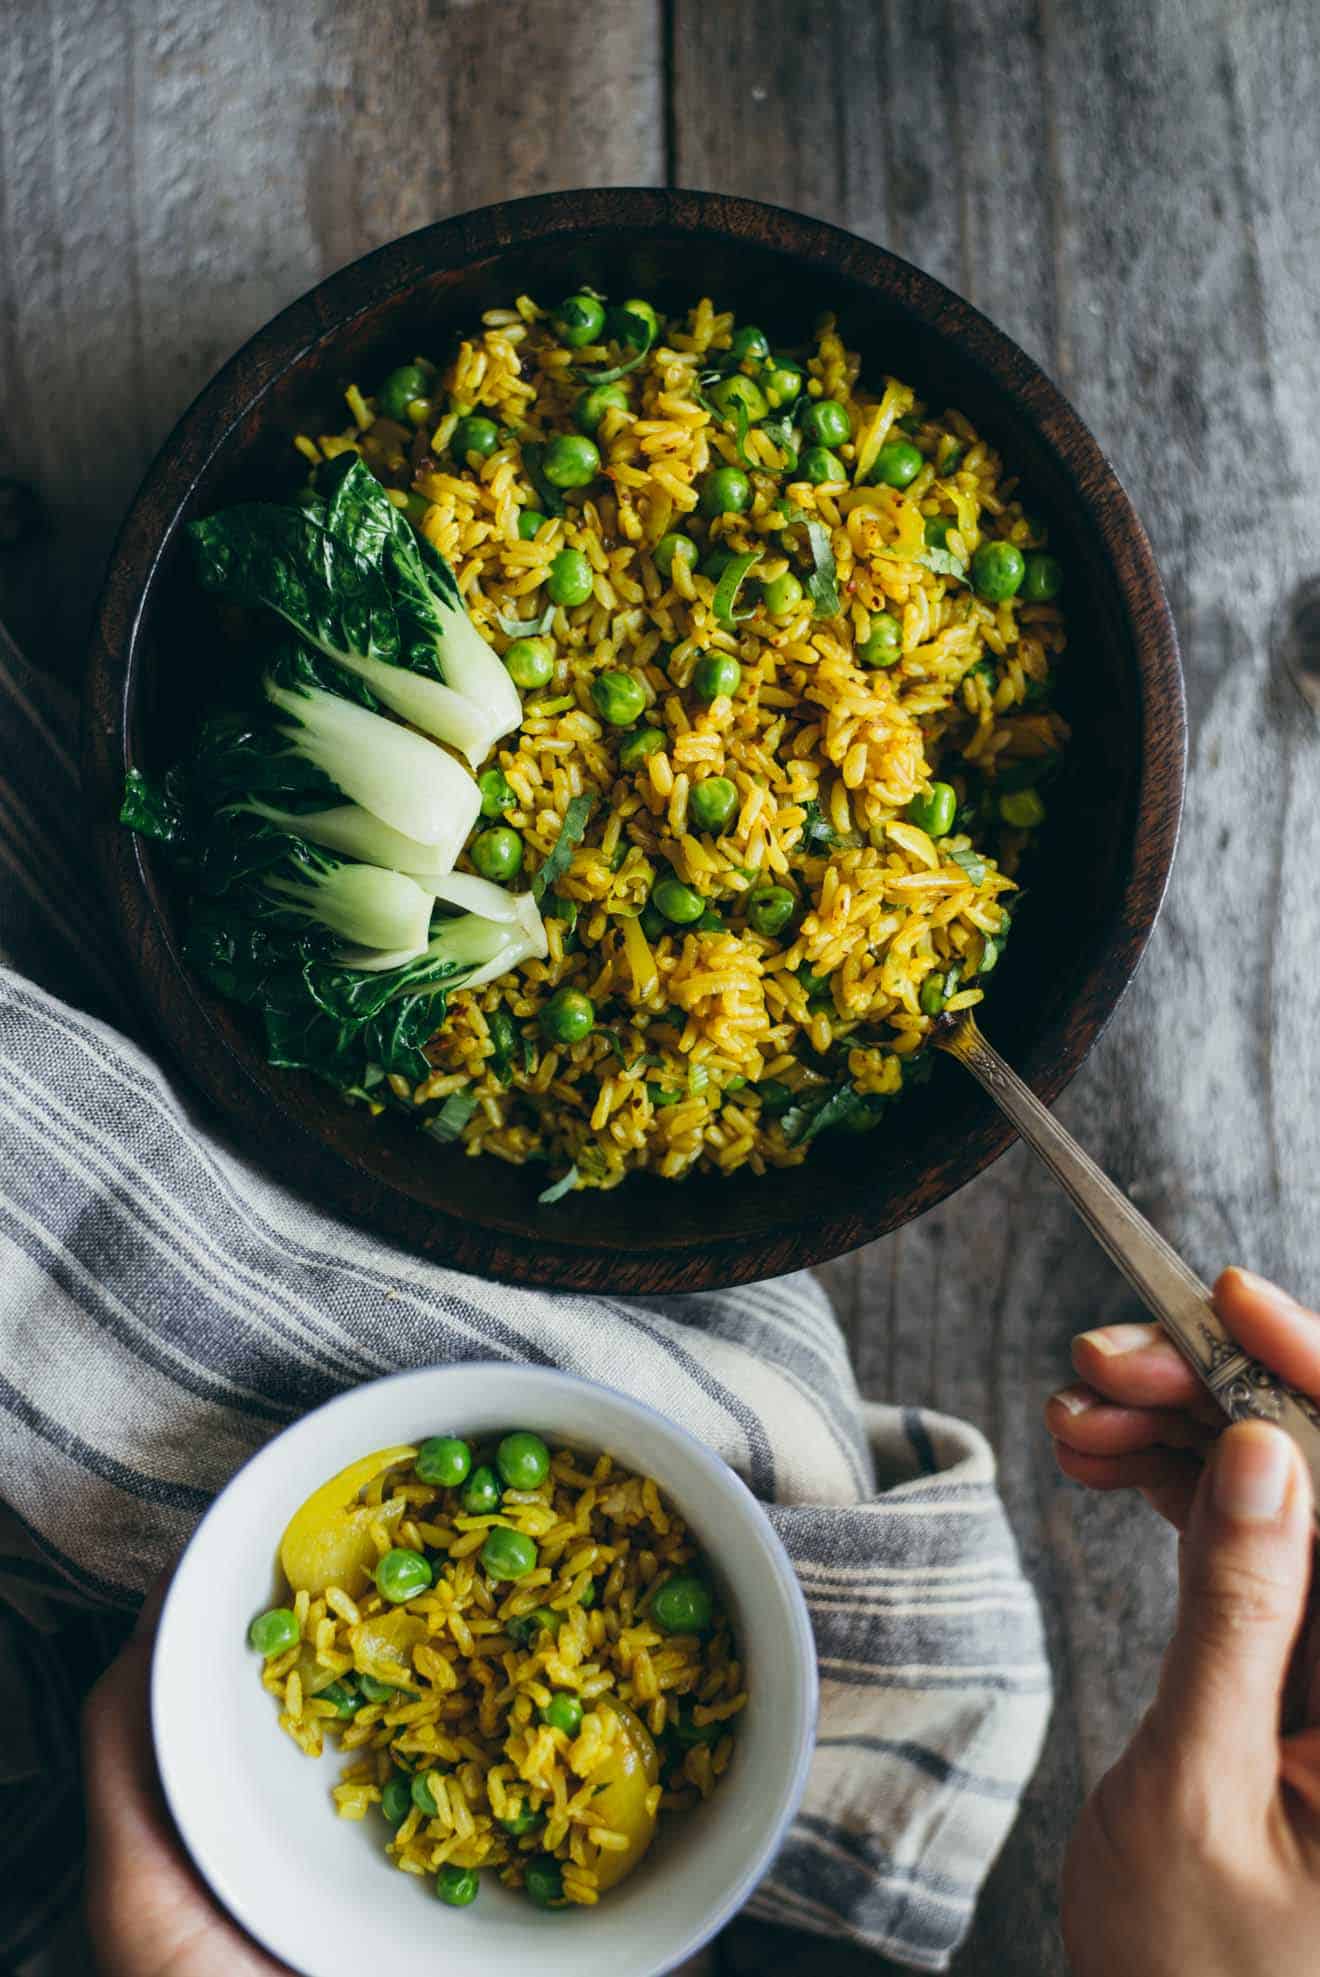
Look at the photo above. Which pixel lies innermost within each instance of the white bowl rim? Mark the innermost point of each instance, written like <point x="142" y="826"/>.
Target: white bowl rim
<point x="717" y="1471"/>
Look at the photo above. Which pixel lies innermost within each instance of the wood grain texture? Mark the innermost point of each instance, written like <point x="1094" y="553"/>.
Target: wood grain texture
<point x="1132" y="191"/>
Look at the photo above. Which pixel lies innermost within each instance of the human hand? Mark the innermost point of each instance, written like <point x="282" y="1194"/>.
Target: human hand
<point x="1200" y="1850"/>
<point x="147" y="1913"/>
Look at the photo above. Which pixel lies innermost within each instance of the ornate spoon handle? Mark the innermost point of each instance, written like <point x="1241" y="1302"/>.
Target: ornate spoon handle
<point x="1171" y="1292"/>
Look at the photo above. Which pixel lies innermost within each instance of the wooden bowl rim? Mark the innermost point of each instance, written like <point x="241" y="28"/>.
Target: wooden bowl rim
<point x="300" y="1155"/>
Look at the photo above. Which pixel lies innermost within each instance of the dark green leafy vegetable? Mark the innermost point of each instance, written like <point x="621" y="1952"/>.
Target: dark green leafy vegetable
<point x="972" y="863"/>
<point x="576" y="818"/>
<point x="155" y="809"/>
<point x="817" y="834"/>
<point x="822" y="585"/>
<point x="632" y="330"/>
<point x="818" y="1111"/>
<point x="726" y="590"/>
<point x="504" y="1041"/>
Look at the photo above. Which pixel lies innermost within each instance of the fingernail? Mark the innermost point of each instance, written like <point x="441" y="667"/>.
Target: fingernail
<point x="1112" y="1340"/>
<point x="1269" y="1293"/>
<point x="1073" y="1400"/>
<point x="1252" y="1465"/>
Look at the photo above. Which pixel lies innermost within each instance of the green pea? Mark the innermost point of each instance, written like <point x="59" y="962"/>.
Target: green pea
<point x="1022" y="809"/>
<point x="530" y="663"/>
<point x="883" y="644"/>
<point x="769" y="910"/>
<point x="749" y="345"/>
<point x="579" y="319"/>
<point x="712" y="803"/>
<point x="931" y="994"/>
<point x="781" y="380"/>
<point x="935" y="812"/>
<point x="563" y="1713"/>
<point x="396" y="1798"/>
<point x="571" y="460"/>
<point x="592" y="406"/>
<point x="618" y="698"/>
<point x="716" y="674"/>
<point x="343" y="1699"/>
<point x="400" y="388"/>
<point x="710" y="921"/>
<point x="444" y="1461"/>
<point x="897" y="464"/>
<point x="401" y="1575"/>
<point x="520" y="1822"/>
<point x="673" y="546"/>
<point x="624" y="330"/>
<point x="678" y="902"/>
<point x="1043" y="579"/>
<point x="819" y="465"/>
<point x="474" y="435"/>
<point x="544" y="1881"/>
<point x="496" y="796"/>
<point x="419" y="1790"/>
<point x="530" y="523"/>
<point x="937" y="529"/>
<point x="569" y="579"/>
<point x="738" y="390"/>
<point x="653" y="922"/>
<point x="271" y="1633"/>
<point x="568" y="1016"/>
<point x="997" y="571"/>
<point x="481" y="1492"/>
<point x="726" y="491"/>
<point x="826" y="423"/>
<point x="457" y="1886"/>
<point x="541" y="1620"/>
<point x="375" y="1691"/>
<point x="635" y="748"/>
<point x="497" y="853"/>
<point x="814" y="986"/>
<point x="682" y="1605"/>
<point x="782" y="594"/>
<point x="523" y="1460"/>
<point x="775" y="1097"/>
<point x="508" y="1554"/>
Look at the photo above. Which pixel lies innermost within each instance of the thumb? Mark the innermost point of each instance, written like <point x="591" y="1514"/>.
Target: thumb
<point x="1245" y="1568"/>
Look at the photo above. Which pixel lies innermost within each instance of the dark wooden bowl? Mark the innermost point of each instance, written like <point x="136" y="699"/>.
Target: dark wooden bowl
<point x="1096" y="885"/>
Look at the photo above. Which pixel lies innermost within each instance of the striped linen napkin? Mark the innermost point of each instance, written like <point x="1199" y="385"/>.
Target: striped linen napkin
<point x="165" y="1308"/>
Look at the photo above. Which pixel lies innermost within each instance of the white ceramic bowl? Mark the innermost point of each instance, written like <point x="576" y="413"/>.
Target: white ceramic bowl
<point x="318" y="1891"/>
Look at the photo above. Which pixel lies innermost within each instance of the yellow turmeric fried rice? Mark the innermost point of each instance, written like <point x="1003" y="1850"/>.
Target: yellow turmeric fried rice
<point x="538" y="1727"/>
<point x="718" y="1046"/>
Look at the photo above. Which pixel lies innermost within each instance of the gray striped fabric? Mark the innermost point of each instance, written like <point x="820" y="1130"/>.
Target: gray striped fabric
<point x="165" y="1308"/>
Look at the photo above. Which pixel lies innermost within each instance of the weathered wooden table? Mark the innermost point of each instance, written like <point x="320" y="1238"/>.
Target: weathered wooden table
<point x="1132" y="190"/>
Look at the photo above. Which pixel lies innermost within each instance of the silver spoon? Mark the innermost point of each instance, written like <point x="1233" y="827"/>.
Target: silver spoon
<point x="1171" y="1292"/>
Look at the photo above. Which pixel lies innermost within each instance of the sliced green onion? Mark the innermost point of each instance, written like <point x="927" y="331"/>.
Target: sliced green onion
<point x="453" y="1115"/>
<point x="558" y="1189"/>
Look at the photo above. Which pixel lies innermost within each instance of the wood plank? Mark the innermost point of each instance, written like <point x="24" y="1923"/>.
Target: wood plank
<point x="1121" y="189"/>
<point x="173" y="173"/>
